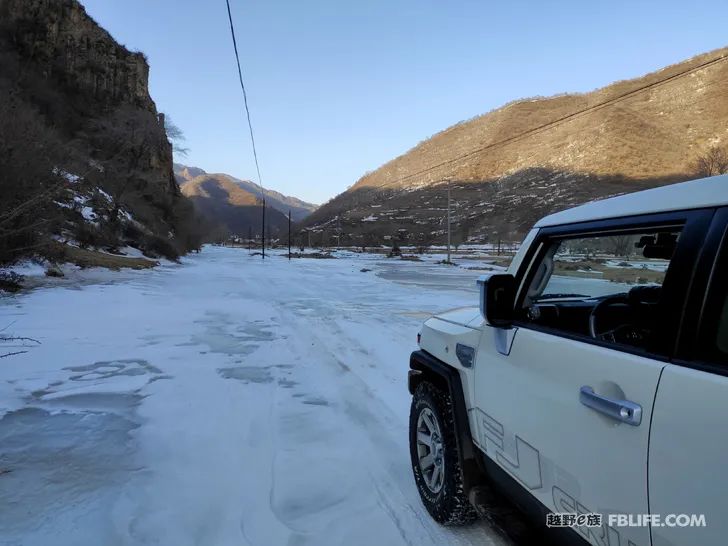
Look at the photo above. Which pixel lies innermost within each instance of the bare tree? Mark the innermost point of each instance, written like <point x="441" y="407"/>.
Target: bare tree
<point x="129" y="138"/>
<point x="175" y="136"/>
<point x="30" y="181"/>
<point x="461" y="235"/>
<point x="4" y="338"/>
<point x="712" y="162"/>
<point x="620" y="245"/>
<point x="424" y="241"/>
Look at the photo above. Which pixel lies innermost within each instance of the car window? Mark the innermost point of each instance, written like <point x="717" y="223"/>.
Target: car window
<point x="606" y="287"/>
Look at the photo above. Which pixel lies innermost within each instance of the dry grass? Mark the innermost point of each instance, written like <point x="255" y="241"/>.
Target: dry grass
<point x="312" y="255"/>
<point x="89" y="258"/>
<point x="647" y="139"/>
<point x="589" y="269"/>
<point x="656" y="133"/>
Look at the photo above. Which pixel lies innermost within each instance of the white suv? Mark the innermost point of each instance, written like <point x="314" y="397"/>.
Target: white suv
<point x="593" y="378"/>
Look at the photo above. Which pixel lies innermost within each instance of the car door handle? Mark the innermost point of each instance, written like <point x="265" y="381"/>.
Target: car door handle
<point x="621" y="410"/>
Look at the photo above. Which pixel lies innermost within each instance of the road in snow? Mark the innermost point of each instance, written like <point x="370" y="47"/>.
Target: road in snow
<point x="224" y="401"/>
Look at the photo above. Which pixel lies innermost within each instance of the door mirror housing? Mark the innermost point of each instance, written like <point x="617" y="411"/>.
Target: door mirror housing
<point x="497" y="298"/>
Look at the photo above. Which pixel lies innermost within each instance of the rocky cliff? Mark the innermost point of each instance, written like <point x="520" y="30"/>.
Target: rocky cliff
<point x="63" y="42"/>
<point x="90" y="93"/>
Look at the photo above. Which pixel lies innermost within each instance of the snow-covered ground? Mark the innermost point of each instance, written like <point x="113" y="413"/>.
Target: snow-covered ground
<point x="223" y="401"/>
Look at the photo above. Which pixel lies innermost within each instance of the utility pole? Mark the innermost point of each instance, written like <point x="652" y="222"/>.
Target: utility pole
<point x="250" y="238"/>
<point x="289" y="234"/>
<point x="448" y="223"/>
<point x="338" y="232"/>
<point x="309" y="238"/>
<point x="262" y="233"/>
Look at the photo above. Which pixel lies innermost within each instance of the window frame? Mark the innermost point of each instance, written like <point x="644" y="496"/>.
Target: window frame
<point x="702" y="306"/>
<point x="694" y="224"/>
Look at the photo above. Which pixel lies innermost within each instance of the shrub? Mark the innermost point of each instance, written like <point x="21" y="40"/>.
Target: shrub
<point x="155" y="246"/>
<point x="10" y="281"/>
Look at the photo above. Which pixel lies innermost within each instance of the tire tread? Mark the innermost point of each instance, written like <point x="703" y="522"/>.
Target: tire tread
<point x="451" y="505"/>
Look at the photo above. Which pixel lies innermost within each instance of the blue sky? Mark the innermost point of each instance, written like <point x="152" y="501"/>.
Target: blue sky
<point x="338" y="87"/>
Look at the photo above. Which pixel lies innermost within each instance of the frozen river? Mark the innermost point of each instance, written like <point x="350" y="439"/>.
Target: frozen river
<point x="224" y="401"/>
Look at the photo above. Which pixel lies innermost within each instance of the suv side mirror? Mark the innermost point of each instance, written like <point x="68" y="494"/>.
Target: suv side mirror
<point x="497" y="298"/>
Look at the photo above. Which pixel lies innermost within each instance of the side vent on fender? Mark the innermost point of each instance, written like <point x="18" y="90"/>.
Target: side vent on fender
<point x="465" y="354"/>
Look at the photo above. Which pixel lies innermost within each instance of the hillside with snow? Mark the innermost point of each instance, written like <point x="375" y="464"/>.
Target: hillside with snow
<point x="535" y="156"/>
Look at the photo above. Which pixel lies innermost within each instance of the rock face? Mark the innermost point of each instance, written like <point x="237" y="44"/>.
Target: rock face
<point x="535" y="156"/>
<point x="92" y="94"/>
<point x="66" y="43"/>
<point x="63" y="45"/>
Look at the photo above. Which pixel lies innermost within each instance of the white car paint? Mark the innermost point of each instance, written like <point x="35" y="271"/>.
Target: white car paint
<point x="525" y="413"/>
<point x="557" y="448"/>
<point x="706" y="192"/>
<point x="688" y="447"/>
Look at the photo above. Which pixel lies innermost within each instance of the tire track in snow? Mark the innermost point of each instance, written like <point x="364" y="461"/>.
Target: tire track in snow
<point x="386" y="435"/>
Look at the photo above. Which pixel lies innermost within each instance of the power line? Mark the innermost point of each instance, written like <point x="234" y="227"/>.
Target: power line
<point x="549" y="125"/>
<point x="250" y="124"/>
<point x="245" y="96"/>
<point x="554" y="123"/>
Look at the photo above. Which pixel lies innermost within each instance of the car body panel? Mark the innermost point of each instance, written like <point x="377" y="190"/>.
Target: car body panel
<point x="696" y="194"/>
<point x="462" y="315"/>
<point x="524" y="406"/>
<point x="440" y="338"/>
<point x="531" y="422"/>
<point x="687" y="455"/>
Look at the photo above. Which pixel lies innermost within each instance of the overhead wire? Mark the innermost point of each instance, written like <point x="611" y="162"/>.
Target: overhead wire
<point x="250" y="124"/>
<point x="245" y="97"/>
<point x="553" y="123"/>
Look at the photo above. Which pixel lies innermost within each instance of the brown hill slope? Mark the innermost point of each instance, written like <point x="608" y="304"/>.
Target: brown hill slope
<point x="183" y="173"/>
<point x="535" y="156"/>
<point x="282" y="203"/>
<point x="222" y="201"/>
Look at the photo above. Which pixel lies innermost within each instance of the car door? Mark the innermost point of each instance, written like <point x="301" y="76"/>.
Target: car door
<point x="565" y="414"/>
<point x="689" y="438"/>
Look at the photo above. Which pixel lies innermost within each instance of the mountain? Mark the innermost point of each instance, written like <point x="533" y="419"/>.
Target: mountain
<point x="83" y="150"/>
<point x="535" y="156"/>
<point x="221" y="200"/>
<point x="183" y="173"/>
<point x="191" y="180"/>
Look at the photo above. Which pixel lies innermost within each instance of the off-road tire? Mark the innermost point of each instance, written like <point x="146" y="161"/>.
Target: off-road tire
<point x="450" y="505"/>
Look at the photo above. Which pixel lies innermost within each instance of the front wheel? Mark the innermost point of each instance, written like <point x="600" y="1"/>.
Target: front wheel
<point x="435" y="457"/>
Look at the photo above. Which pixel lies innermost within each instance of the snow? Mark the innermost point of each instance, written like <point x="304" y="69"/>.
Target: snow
<point x="88" y="213"/>
<point x="655" y="265"/>
<point x="81" y="201"/>
<point x="104" y="195"/>
<point x="227" y="400"/>
<point x="27" y="268"/>
<point x="70" y="177"/>
<point x="131" y="252"/>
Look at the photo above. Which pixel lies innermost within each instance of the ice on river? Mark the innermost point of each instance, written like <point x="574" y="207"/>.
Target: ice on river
<point x="223" y="401"/>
